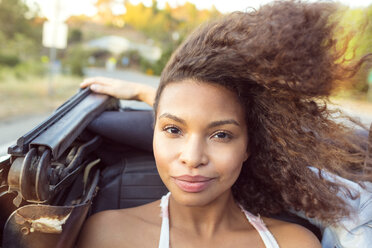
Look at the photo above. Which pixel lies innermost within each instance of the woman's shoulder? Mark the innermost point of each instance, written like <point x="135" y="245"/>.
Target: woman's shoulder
<point x="291" y="235"/>
<point x="122" y="227"/>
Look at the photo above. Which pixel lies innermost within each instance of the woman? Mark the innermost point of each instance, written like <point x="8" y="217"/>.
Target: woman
<point x="240" y="116"/>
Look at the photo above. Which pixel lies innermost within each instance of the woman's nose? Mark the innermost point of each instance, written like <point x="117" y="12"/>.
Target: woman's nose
<point x="193" y="152"/>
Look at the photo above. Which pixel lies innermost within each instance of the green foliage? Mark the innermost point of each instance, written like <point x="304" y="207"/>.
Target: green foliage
<point x="8" y="60"/>
<point x="75" y="36"/>
<point x="22" y="46"/>
<point x="357" y="25"/>
<point x="12" y="18"/>
<point x="167" y="27"/>
<point x="20" y="55"/>
<point x="134" y="57"/>
<point x="160" y="64"/>
<point x="76" y="58"/>
<point x="160" y="24"/>
<point x="156" y="67"/>
<point x="20" y="41"/>
<point x="23" y="70"/>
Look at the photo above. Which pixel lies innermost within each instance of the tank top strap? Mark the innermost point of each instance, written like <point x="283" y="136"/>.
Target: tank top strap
<point x="164" y="231"/>
<point x="263" y="231"/>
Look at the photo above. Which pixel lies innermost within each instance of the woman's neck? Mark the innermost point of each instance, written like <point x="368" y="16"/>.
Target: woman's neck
<point x="207" y="220"/>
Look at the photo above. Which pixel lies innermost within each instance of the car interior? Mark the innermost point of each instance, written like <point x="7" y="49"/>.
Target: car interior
<point x="90" y="155"/>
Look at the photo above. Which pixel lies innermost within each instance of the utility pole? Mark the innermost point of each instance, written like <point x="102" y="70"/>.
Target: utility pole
<point x="53" y="49"/>
<point x="369" y="81"/>
<point x="54" y="36"/>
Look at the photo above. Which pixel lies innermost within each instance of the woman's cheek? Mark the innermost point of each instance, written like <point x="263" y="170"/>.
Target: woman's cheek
<point x="229" y="158"/>
<point x="165" y="152"/>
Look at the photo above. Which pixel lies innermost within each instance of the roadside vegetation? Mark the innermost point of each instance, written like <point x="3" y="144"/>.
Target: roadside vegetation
<point x="30" y="95"/>
<point x="24" y="62"/>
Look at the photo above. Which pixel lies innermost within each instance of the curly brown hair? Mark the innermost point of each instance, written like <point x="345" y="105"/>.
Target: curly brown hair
<point x="282" y="62"/>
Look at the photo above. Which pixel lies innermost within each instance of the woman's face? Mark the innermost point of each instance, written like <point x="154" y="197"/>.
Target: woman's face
<point x="200" y="141"/>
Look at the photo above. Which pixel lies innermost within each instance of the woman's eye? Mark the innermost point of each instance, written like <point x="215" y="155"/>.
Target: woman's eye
<point x="222" y="136"/>
<point x="172" y="130"/>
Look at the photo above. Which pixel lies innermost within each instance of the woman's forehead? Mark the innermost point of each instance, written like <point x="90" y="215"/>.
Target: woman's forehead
<point x="191" y="98"/>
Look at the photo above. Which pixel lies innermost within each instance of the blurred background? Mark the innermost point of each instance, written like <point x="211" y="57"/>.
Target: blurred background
<point x="48" y="46"/>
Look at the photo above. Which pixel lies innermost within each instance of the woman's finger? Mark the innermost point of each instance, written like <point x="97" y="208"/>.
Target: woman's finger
<point x="103" y="89"/>
<point x="83" y="84"/>
<point x="98" y="88"/>
<point x="95" y="87"/>
<point x="95" y="80"/>
<point x="87" y="82"/>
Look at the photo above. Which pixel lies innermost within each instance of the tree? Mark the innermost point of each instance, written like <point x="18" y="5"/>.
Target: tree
<point x="355" y="31"/>
<point x="104" y="9"/>
<point x="20" y="38"/>
<point x="13" y="18"/>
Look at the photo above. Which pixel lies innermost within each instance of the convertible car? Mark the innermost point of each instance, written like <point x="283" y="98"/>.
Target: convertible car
<point x="90" y="155"/>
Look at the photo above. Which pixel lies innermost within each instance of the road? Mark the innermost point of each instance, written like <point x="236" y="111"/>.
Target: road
<point x="12" y="129"/>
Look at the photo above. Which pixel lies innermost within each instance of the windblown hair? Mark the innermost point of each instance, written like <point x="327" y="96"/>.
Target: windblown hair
<point x="282" y="62"/>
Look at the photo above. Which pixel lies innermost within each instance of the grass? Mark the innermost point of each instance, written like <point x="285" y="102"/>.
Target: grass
<point x="30" y="96"/>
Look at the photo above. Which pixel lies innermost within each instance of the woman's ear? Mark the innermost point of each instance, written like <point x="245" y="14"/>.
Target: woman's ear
<point x="247" y="154"/>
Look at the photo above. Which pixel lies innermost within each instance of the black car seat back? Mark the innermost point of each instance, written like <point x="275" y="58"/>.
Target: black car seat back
<point x="131" y="179"/>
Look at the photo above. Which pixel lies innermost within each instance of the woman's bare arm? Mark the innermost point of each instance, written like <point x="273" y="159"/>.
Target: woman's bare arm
<point x="121" y="89"/>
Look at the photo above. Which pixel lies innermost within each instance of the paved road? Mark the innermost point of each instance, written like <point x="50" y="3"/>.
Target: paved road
<point x="10" y="130"/>
<point x="13" y="128"/>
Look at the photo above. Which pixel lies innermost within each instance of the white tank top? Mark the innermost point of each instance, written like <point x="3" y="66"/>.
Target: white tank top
<point x="256" y="222"/>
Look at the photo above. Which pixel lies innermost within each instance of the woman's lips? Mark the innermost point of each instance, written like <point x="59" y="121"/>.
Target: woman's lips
<point x="192" y="184"/>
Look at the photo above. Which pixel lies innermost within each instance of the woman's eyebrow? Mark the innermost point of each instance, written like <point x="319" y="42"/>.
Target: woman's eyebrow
<point x="223" y="122"/>
<point x="173" y="117"/>
<point x="210" y="125"/>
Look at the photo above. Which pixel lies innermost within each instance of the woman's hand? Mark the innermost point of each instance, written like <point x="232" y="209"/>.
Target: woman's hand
<point x="121" y="89"/>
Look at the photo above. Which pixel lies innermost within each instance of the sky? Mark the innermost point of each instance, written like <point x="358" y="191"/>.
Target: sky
<point x="78" y="7"/>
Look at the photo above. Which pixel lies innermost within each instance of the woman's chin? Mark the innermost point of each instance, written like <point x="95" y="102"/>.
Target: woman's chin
<point x="191" y="201"/>
<point x="199" y="199"/>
